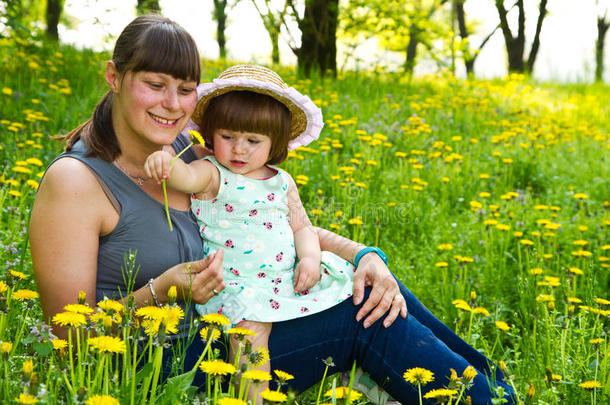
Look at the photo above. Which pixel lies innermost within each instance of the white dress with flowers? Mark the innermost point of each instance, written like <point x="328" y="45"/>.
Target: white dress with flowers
<point x="249" y="220"/>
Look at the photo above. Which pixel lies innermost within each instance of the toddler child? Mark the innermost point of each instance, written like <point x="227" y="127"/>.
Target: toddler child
<point x="273" y="267"/>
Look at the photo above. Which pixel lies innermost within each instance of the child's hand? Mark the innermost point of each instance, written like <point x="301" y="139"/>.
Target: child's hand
<point x="157" y="165"/>
<point x="307" y="274"/>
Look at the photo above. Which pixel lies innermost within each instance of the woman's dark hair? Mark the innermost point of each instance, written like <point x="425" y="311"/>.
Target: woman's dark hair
<point x="247" y="111"/>
<point x="149" y="43"/>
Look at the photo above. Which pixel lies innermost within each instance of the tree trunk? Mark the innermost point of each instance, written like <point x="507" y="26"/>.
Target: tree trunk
<point x="274" y="35"/>
<point x="536" y="44"/>
<point x="220" y="15"/>
<point x="602" y="29"/>
<point x="148" y="6"/>
<point x="461" y="20"/>
<point x="412" y="50"/>
<point x="318" y="51"/>
<point x="54" y="8"/>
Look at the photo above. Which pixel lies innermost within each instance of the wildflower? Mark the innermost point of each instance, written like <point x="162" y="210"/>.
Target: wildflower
<point x="581" y="196"/>
<point x="602" y="301"/>
<point x="71" y="319"/>
<point x="216" y="319"/>
<point x="26" y="399"/>
<point x="355" y="221"/>
<point x="107" y="344"/>
<point x="24" y="295"/>
<point x="273" y="396"/>
<point x="517" y="234"/>
<point x="197" y="137"/>
<point x="243" y="332"/>
<point x="7" y="91"/>
<point x="581" y="253"/>
<point x="111" y="306"/>
<point x="209" y="333"/>
<point x="3" y="287"/>
<point x="441" y="394"/>
<point x="590" y="385"/>
<point x="341" y="392"/>
<point x="445" y="246"/>
<point x="481" y="311"/>
<point x="441" y="264"/>
<point x="59" y="344"/>
<point x="535" y="271"/>
<point x="283" y="376"/>
<point x="574" y="300"/>
<point x="259" y="357"/>
<point x="469" y="374"/>
<point x="257" y="375"/>
<point x="461" y="304"/>
<point x="418" y="376"/>
<point x="531" y="391"/>
<point x="78" y="308"/>
<point x="526" y="242"/>
<point x="596" y="341"/>
<point x="503" y="326"/>
<point x="6" y="347"/>
<point x="231" y="401"/>
<point x="503" y="227"/>
<point x="18" y="274"/>
<point x="102" y="400"/>
<point x="545" y="298"/>
<point x="217" y="368"/>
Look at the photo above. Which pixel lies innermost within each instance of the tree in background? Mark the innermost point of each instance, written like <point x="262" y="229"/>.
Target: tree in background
<point x="469" y="54"/>
<point x="318" y="25"/>
<point x="54" y="9"/>
<point x="20" y="15"/>
<point x="272" y="20"/>
<point x="219" y="15"/>
<point x="515" y="45"/>
<point x="148" y="7"/>
<point x="603" y="23"/>
<point x="400" y="25"/>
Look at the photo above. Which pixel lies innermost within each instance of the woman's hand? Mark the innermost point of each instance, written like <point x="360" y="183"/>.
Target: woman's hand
<point x="198" y="281"/>
<point x="385" y="294"/>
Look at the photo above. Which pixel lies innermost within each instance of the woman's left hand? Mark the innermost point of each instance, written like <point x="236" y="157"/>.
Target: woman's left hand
<point x="385" y="296"/>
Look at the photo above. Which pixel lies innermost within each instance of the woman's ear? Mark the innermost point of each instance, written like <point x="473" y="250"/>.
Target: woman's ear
<point x="112" y="77"/>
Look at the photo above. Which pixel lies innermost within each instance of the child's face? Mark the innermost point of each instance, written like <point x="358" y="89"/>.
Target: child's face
<point x="243" y="153"/>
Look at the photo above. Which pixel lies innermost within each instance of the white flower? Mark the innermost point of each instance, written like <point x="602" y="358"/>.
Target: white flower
<point x="250" y="238"/>
<point x="249" y="186"/>
<point x="223" y="223"/>
<point x="268" y="261"/>
<point x="248" y="266"/>
<point x="258" y="246"/>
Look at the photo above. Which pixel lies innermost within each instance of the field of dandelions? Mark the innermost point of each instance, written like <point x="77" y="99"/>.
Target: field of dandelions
<point x="491" y="199"/>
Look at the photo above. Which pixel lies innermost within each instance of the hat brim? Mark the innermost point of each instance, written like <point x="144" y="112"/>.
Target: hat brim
<point x="306" y="118"/>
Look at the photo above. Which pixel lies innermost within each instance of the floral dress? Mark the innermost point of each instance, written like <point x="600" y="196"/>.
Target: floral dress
<point x="249" y="219"/>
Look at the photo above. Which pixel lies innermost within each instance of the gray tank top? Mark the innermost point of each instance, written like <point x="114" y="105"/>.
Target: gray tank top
<point x="142" y="229"/>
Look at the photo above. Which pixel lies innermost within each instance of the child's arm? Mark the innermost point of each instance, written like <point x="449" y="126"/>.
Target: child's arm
<point x="189" y="178"/>
<point x="306" y="242"/>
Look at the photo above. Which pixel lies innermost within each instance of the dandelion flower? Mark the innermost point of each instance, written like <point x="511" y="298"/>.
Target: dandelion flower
<point x="596" y="341"/>
<point x="418" y="376"/>
<point x="197" y="137"/>
<point x="205" y="332"/>
<point x="26" y="399"/>
<point x="102" y="400"/>
<point x="602" y="301"/>
<point x="78" y="308"/>
<point x="216" y="319"/>
<point x="257" y="375"/>
<point x="18" y="274"/>
<point x="24" y="295"/>
<point x="231" y="401"/>
<point x="273" y="396"/>
<point x="441" y="394"/>
<point x="590" y="385"/>
<point x="217" y="368"/>
<point x="59" y="344"/>
<point x="111" y="305"/>
<point x="107" y="344"/>
<point x="3" y="287"/>
<point x="469" y="374"/>
<point x="503" y="326"/>
<point x="259" y="357"/>
<point x="575" y="270"/>
<point x="240" y="332"/>
<point x="526" y="242"/>
<point x="581" y="196"/>
<point x="283" y="376"/>
<point x="6" y="347"/>
<point x="341" y="392"/>
<point x="480" y="311"/>
<point x="71" y="319"/>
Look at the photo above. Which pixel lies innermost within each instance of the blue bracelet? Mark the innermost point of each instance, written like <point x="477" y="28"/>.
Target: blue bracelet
<point x="370" y="249"/>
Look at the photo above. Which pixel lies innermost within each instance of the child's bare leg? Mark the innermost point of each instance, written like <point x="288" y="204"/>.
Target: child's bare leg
<point x="262" y="330"/>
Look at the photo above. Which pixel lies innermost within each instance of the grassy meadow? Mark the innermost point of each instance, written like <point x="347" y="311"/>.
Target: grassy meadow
<point x="491" y="199"/>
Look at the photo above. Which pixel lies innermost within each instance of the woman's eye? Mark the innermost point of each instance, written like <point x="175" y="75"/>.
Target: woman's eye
<point x="227" y="137"/>
<point x="155" y="85"/>
<point x="187" y="90"/>
<point x="253" y="141"/>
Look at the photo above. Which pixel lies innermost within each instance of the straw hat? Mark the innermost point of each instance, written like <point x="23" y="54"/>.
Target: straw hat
<point x="306" y="123"/>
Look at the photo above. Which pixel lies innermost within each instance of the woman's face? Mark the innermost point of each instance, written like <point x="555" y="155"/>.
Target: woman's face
<point x="150" y="106"/>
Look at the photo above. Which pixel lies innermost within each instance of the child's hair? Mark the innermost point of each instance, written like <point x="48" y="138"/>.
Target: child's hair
<point x="247" y="111"/>
<point x="148" y="43"/>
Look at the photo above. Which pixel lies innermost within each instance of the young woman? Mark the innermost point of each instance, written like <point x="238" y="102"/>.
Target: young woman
<point x="96" y="204"/>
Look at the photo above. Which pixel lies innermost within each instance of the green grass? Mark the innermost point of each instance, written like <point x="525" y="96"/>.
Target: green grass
<point x="475" y="167"/>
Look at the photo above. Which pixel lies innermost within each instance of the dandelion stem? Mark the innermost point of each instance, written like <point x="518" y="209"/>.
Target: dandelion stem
<point x="169" y="221"/>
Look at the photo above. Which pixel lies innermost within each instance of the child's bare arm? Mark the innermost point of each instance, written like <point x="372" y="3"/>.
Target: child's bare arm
<point x="189" y="178"/>
<point x="306" y="242"/>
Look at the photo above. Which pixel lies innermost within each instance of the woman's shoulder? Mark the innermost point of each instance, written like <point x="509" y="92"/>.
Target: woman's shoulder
<point x="70" y="176"/>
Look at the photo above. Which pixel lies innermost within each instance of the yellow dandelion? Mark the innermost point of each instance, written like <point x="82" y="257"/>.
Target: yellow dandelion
<point x="78" y="308"/>
<point x="24" y="295"/>
<point x="259" y="357"/>
<point x="581" y="196"/>
<point x="590" y="385"/>
<point x="341" y="392"/>
<point x="111" y="306"/>
<point x="231" y="401"/>
<point x="418" y="376"/>
<point x="150" y="312"/>
<point x="480" y="311"/>
<point x="441" y="394"/>
<point x="517" y="234"/>
<point x="205" y="333"/>
<point x="18" y="274"/>
<point x="273" y="396"/>
<point x="257" y="375"/>
<point x="26" y="399"/>
<point x="3" y="287"/>
<point x="240" y="332"/>
<point x="596" y="341"/>
<point x="71" y="319"/>
<point x="107" y="344"/>
<point x="602" y="301"/>
<point x="216" y="319"/>
<point x="283" y="376"/>
<point x="101" y="400"/>
<point x="469" y="374"/>
<point x="197" y="137"/>
<point x="28" y="367"/>
<point x="461" y="304"/>
<point x="59" y="344"/>
<point x="7" y="91"/>
<point x="535" y="271"/>
<point x="441" y="264"/>
<point x="6" y="347"/>
<point x="526" y="242"/>
<point x="574" y="300"/>
<point x="445" y="246"/>
<point x="503" y="326"/>
<point x="217" y="368"/>
<point x="575" y="270"/>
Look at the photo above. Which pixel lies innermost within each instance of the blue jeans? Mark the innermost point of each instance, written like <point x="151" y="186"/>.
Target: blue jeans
<point x="298" y="347"/>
